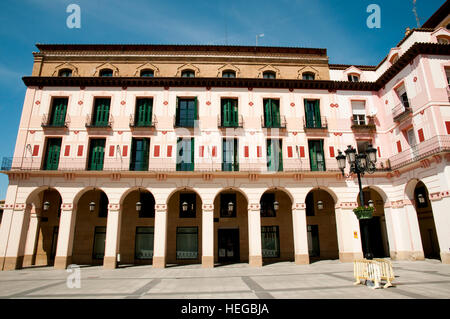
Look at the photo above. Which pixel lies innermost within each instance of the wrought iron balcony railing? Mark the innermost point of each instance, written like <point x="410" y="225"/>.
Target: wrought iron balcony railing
<point x="315" y="123"/>
<point x="231" y="124"/>
<point x="92" y="122"/>
<point x="135" y="123"/>
<point x="55" y="122"/>
<point x="434" y="145"/>
<point x="279" y="123"/>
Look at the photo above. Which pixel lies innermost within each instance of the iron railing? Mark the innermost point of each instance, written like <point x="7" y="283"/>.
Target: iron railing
<point x="92" y="123"/>
<point x="134" y="123"/>
<point x="401" y="110"/>
<point x="240" y="123"/>
<point x="48" y="122"/>
<point x="315" y="123"/>
<point x="281" y="123"/>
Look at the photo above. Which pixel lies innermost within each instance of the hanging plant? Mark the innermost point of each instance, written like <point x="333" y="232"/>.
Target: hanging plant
<point x="365" y="212"/>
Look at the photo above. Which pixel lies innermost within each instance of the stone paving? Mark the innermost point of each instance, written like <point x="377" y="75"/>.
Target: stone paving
<point x="331" y="279"/>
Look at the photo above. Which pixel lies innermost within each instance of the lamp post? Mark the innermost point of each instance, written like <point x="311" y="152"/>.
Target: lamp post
<point x="360" y="164"/>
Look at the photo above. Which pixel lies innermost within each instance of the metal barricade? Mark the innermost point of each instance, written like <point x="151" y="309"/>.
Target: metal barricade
<point x="376" y="270"/>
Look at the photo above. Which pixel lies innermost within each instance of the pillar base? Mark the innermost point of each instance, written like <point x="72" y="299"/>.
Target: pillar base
<point x="350" y="257"/>
<point x="302" y="259"/>
<point x="445" y="257"/>
<point x="12" y="263"/>
<point x="109" y="262"/>
<point x="207" y="261"/>
<point x="159" y="262"/>
<point x="61" y="262"/>
<point x="407" y="255"/>
<point x="28" y="260"/>
<point x="255" y="261"/>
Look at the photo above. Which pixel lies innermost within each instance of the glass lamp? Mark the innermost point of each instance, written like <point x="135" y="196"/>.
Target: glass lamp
<point x="46" y="206"/>
<point x="91" y="206"/>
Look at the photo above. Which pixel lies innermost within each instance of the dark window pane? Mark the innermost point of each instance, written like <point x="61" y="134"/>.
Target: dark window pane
<point x="99" y="243"/>
<point x="270" y="241"/>
<point x="267" y="206"/>
<point x="147" y="73"/>
<point x="187" y="242"/>
<point x="144" y="242"/>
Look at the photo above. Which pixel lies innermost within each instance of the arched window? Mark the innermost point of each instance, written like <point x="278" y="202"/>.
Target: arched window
<point x="269" y="75"/>
<point x="442" y="40"/>
<point x="106" y="72"/>
<point x="188" y="74"/>
<point x="394" y="58"/>
<point x="65" y="72"/>
<point x="353" y="77"/>
<point x="147" y="73"/>
<point x="308" y="76"/>
<point x="228" y="74"/>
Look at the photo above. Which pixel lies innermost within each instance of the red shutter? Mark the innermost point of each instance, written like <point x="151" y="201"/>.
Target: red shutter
<point x="331" y="151"/>
<point x="214" y="151"/>
<point x="125" y="150"/>
<point x="245" y="151"/>
<point x="80" y="150"/>
<point x="259" y="151"/>
<point x="202" y="148"/>
<point x="289" y="149"/>
<point x="67" y="150"/>
<point x="36" y="150"/>
<point x="421" y="137"/>
<point x="111" y="150"/>
<point x="169" y="150"/>
<point x="156" y="151"/>
<point x="399" y="146"/>
<point x="379" y="151"/>
<point x="447" y="125"/>
<point x="302" y="151"/>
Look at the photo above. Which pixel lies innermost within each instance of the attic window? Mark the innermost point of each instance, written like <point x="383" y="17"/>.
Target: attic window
<point x="443" y="40"/>
<point x="188" y="74"/>
<point x="308" y="76"/>
<point x="394" y="58"/>
<point x="353" y="77"/>
<point x="147" y="73"/>
<point x="65" y="72"/>
<point x="269" y="75"/>
<point x="228" y="74"/>
<point x="106" y="72"/>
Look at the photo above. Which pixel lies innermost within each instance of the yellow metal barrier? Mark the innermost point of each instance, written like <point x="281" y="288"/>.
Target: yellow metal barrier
<point x="375" y="270"/>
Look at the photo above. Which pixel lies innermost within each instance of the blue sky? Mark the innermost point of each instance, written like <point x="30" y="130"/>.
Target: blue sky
<point x="337" y="25"/>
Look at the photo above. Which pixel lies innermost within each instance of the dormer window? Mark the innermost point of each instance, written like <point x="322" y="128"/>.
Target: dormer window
<point x="269" y="75"/>
<point x="106" y="73"/>
<point x="228" y="74"/>
<point x="353" y="77"/>
<point x="147" y="73"/>
<point x="188" y="74"/>
<point x="308" y="76"/>
<point x="394" y="58"/>
<point x="65" y="72"/>
<point x="442" y="40"/>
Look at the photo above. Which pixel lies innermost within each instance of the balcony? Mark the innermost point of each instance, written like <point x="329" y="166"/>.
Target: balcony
<point x="315" y="123"/>
<point x="187" y="123"/>
<point x="401" y="111"/>
<point x="142" y="125"/>
<point x="55" y="123"/>
<point x="277" y="123"/>
<point x="92" y="123"/>
<point x="435" y="145"/>
<point x="363" y="126"/>
<point x="239" y="124"/>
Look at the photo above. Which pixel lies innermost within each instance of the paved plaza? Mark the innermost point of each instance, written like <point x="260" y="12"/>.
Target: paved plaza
<point x="427" y="279"/>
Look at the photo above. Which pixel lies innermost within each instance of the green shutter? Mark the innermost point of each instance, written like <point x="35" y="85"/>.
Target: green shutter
<point x="177" y="113"/>
<point x="140" y="154"/>
<point x="97" y="154"/>
<point x="144" y="112"/>
<point x="269" y="156"/>
<point x="58" y="117"/>
<point x="195" y="124"/>
<point x="192" y="147"/>
<point x="280" y="155"/>
<point x="267" y="113"/>
<point x="236" y="155"/>
<point x="317" y="114"/>
<point x="101" y="116"/>
<point x="316" y="155"/>
<point x="52" y="156"/>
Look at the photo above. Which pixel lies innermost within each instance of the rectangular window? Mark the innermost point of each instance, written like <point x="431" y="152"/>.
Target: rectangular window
<point x="101" y="112"/>
<point x="229" y="113"/>
<point x="51" y="160"/>
<point x="143" y="113"/>
<point x="185" y="154"/>
<point x="139" y="154"/>
<point x="187" y="242"/>
<point x="58" y="113"/>
<point x="144" y="242"/>
<point x="267" y="205"/>
<point x="312" y="114"/>
<point x="227" y="205"/>
<point x="96" y="154"/>
<point x="188" y="205"/>
<point x="186" y="114"/>
<point x="313" y="241"/>
<point x="270" y="241"/>
<point x="230" y="160"/>
<point x="316" y="155"/>
<point x="99" y="243"/>
<point x="401" y="92"/>
<point x="275" y="155"/>
<point x="272" y="113"/>
<point x="359" y="112"/>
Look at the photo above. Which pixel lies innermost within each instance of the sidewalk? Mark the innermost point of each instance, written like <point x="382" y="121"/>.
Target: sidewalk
<point x="320" y="280"/>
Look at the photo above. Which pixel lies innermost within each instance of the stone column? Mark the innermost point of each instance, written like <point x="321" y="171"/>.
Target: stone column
<point x="66" y="234"/>
<point x="32" y="237"/>
<point x="208" y="235"/>
<point x="160" y="236"/>
<point x="112" y="237"/>
<point x="440" y="205"/>
<point x="254" y="235"/>
<point x="349" y="233"/>
<point x="17" y="236"/>
<point x="300" y="234"/>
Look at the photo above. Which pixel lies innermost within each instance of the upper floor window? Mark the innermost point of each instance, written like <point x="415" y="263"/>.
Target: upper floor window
<point x="308" y="76"/>
<point x="185" y="154"/>
<point x="229" y="113"/>
<point x="401" y="92"/>
<point x="275" y="155"/>
<point x="447" y="73"/>
<point x="186" y="112"/>
<point x="96" y="154"/>
<point x="316" y="155"/>
<point x="353" y="77"/>
<point x="359" y="112"/>
<point x="139" y="154"/>
<point x="106" y="72"/>
<point x="272" y="117"/>
<point x="147" y="73"/>
<point x="58" y="112"/>
<point x="442" y="40"/>
<point x="52" y="152"/>
<point x="65" y="72"/>
<point x="269" y="75"/>
<point x="188" y="74"/>
<point x="228" y="74"/>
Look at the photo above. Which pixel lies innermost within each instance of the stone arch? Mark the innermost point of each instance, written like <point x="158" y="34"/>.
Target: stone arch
<point x="182" y="188"/>
<point x="408" y="192"/>
<point x="236" y="189"/>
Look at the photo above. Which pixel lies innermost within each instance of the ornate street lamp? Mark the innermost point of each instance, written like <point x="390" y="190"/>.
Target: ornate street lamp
<point x="276" y="205"/>
<point x="91" y="207"/>
<point x="230" y="207"/>
<point x="319" y="205"/>
<point x="46" y="206"/>
<point x="138" y="206"/>
<point x="184" y="206"/>
<point x="370" y="203"/>
<point x="360" y="164"/>
<point x="421" y="199"/>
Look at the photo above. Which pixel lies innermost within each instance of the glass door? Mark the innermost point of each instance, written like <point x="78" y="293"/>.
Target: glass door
<point x="101" y="112"/>
<point x="58" y="116"/>
<point x="316" y="155"/>
<point x="52" y="155"/>
<point x="97" y="155"/>
<point x="140" y="154"/>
